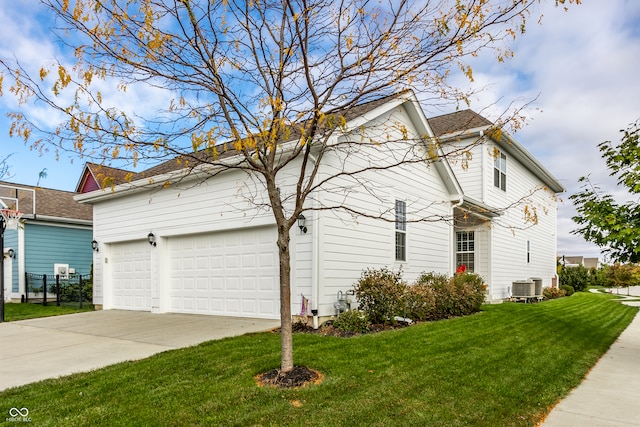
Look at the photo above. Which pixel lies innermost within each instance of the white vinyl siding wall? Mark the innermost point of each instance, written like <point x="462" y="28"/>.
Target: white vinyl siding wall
<point x="349" y="244"/>
<point x="501" y="256"/>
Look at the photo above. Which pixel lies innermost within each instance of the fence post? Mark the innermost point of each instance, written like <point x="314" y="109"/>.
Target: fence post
<point x="26" y="287"/>
<point x="44" y="288"/>
<point x="58" y="291"/>
<point x="80" y="288"/>
<point x="44" y="296"/>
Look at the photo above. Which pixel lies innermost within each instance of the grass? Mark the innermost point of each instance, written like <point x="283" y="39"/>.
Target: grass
<point x="14" y="312"/>
<point x="506" y="366"/>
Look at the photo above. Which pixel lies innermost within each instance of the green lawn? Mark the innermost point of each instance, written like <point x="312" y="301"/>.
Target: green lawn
<point x="30" y="311"/>
<point x="506" y="366"/>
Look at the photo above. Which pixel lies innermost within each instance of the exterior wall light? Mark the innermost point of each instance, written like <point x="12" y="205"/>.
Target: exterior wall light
<point x="302" y="223"/>
<point x="152" y="239"/>
<point x="94" y="246"/>
<point x="11" y="253"/>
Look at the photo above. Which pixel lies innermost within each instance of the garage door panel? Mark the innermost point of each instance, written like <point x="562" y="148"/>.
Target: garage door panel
<point x="240" y="274"/>
<point x="131" y="273"/>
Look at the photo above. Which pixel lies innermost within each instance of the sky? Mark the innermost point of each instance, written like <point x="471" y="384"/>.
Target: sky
<point x="576" y="71"/>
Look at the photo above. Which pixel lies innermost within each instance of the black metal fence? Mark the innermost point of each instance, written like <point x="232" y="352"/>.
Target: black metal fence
<point x="72" y="289"/>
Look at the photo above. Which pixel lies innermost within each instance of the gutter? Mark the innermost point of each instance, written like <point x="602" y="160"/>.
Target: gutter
<point x="56" y="219"/>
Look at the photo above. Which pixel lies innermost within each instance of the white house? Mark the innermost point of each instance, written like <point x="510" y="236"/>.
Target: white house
<point x="506" y="226"/>
<point x="214" y="249"/>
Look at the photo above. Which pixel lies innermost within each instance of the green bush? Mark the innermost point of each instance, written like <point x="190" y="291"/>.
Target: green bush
<point x="380" y="293"/>
<point x="383" y="294"/>
<point x="551" y="293"/>
<point x="352" y="321"/>
<point x="460" y="295"/>
<point x="568" y="290"/>
<point x="69" y="292"/>
<point x="576" y="277"/>
<point x="598" y="277"/>
<point x="420" y="302"/>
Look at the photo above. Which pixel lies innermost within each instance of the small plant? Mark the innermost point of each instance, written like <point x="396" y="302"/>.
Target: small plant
<point x="552" y="293"/>
<point x="352" y="321"/>
<point x="380" y="293"/>
<point x="568" y="289"/>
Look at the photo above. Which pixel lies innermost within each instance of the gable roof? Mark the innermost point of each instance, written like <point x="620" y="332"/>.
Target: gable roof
<point x="47" y="203"/>
<point x="469" y="124"/>
<point x="459" y="121"/>
<point x="356" y="116"/>
<point x="95" y="176"/>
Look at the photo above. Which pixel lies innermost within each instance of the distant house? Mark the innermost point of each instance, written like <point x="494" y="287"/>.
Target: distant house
<point x="575" y="261"/>
<point x="55" y="235"/>
<point x="198" y="245"/>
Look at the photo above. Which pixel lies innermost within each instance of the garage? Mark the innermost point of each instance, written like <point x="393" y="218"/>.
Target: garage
<point x="131" y="270"/>
<point x="230" y="273"/>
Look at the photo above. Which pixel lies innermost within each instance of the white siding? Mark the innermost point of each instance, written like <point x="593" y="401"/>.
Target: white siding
<point x="351" y="243"/>
<point x="504" y="250"/>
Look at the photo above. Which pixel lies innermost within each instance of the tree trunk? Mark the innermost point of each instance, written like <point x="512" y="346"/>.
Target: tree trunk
<point x="286" y="330"/>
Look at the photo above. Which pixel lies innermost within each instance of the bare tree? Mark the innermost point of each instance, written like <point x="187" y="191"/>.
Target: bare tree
<point x="255" y="85"/>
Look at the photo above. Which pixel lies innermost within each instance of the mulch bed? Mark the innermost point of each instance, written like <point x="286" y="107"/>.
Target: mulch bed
<point x="299" y="376"/>
<point x="327" y="329"/>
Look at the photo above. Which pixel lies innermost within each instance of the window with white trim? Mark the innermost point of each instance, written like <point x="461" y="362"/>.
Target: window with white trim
<point x="401" y="230"/>
<point x="465" y="250"/>
<point x="500" y="171"/>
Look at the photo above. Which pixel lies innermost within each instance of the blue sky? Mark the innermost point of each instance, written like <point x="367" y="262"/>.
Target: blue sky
<point x="579" y="66"/>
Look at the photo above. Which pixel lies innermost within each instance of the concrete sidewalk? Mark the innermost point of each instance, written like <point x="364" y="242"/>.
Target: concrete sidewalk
<point x="36" y="349"/>
<point x="610" y="394"/>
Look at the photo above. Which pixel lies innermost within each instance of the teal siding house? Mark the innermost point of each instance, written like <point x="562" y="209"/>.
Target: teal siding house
<point x="54" y="235"/>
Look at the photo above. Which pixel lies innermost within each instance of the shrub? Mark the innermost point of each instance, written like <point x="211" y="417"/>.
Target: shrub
<point x="551" y="293"/>
<point x="420" y="302"/>
<point x="69" y="292"/>
<point x="599" y="277"/>
<point x="460" y="295"/>
<point x="380" y="293"/>
<point x="352" y="321"/>
<point x="576" y="277"/>
<point x="568" y="290"/>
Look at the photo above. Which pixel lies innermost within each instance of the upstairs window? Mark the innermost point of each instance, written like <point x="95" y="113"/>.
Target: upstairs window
<point x="500" y="171"/>
<point x="401" y="230"/>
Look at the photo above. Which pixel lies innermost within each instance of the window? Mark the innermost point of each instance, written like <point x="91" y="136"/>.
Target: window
<point x="465" y="250"/>
<point x="500" y="171"/>
<point x="401" y="230"/>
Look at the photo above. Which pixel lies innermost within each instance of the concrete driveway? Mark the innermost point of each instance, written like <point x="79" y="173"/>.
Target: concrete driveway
<point x="36" y="349"/>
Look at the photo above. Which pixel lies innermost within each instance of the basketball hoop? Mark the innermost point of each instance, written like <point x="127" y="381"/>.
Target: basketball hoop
<point x="11" y="218"/>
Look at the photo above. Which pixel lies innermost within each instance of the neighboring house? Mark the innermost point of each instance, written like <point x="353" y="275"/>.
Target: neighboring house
<point x="214" y="251"/>
<point x="576" y="261"/>
<point x="506" y="224"/>
<point x="55" y="232"/>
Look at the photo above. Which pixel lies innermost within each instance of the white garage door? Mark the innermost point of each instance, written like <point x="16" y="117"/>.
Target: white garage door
<point x="131" y="273"/>
<point x="231" y="273"/>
